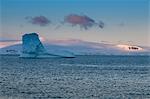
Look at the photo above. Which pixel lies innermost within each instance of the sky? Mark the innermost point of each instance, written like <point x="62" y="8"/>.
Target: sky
<point x="113" y="21"/>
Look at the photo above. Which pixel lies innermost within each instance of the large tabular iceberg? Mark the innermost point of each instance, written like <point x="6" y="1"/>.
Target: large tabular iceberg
<point x="33" y="48"/>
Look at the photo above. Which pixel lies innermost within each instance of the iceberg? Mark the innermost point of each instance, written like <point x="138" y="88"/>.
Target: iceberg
<point x="33" y="48"/>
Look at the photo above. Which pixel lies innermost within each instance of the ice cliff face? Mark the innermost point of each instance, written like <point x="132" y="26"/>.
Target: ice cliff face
<point x="32" y="44"/>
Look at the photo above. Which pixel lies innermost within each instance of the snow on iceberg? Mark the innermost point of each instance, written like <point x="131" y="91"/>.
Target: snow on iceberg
<point x="33" y="48"/>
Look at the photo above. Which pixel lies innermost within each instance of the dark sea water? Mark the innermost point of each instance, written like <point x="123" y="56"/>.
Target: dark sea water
<point x="83" y="77"/>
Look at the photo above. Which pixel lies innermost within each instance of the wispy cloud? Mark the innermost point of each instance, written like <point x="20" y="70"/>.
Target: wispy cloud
<point x="8" y="40"/>
<point x="38" y="20"/>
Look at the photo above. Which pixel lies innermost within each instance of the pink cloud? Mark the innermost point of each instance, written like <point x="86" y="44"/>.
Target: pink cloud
<point x="83" y="21"/>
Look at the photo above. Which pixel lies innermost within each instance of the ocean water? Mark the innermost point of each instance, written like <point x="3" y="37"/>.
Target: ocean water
<point x="83" y="77"/>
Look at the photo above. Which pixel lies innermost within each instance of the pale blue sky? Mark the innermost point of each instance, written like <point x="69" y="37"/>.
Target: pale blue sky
<point x="125" y="20"/>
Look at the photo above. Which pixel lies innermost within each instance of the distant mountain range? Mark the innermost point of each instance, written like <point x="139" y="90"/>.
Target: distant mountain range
<point x="79" y="47"/>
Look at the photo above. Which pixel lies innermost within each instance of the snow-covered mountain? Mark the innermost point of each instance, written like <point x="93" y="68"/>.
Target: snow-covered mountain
<point x="79" y="47"/>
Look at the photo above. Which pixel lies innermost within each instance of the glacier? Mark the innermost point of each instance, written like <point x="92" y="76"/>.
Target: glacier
<point x="33" y="48"/>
